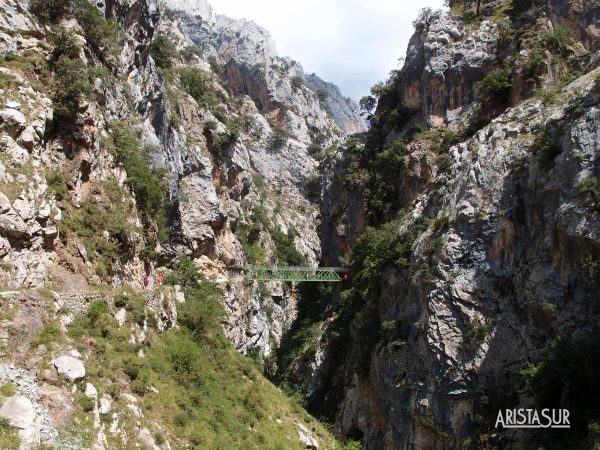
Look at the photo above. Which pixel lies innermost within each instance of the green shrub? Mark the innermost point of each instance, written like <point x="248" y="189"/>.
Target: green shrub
<point x="589" y="185"/>
<point x="520" y="164"/>
<point x="219" y="142"/>
<point x="98" y="72"/>
<point x="478" y="330"/>
<point x="136" y="309"/>
<point x="9" y="436"/>
<point x="92" y="218"/>
<point x="391" y="160"/>
<point x="163" y="51"/>
<point x="114" y="390"/>
<point x="435" y="245"/>
<point x="495" y="87"/>
<point x="376" y="248"/>
<point x="50" y="11"/>
<point x="558" y="38"/>
<point x="381" y="89"/>
<point x="189" y="51"/>
<point x="57" y="183"/>
<point x="97" y="311"/>
<point x="132" y="367"/>
<point x="214" y="65"/>
<point x="297" y="82"/>
<point x="149" y="184"/>
<point x="367" y="105"/>
<point x="86" y="403"/>
<point x="255" y="254"/>
<point x="352" y="445"/>
<point x="520" y="7"/>
<point x="279" y="137"/>
<point x="440" y="223"/>
<point x="252" y="232"/>
<point x="120" y="300"/>
<point x="388" y="325"/>
<point x="235" y="126"/>
<point x="315" y="151"/>
<point x="312" y="187"/>
<point x="590" y="271"/>
<point x="198" y="84"/>
<point x="159" y="438"/>
<point x="97" y="322"/>
<point x="530" y="66"/>
<point x="258" y="180"/>
<point x="444" y="162"/>
<point x="322" y="95"/>
<point x="48" y="334"/>
<point x="203" y="310"/>
<point x="567" y="377"/>
<point x="138" y="387"/>
<point x="285" y="249"/>
<point x="7" y="390"/>
<point x="545" y="147"/>
<point x="249" y="236"/>
<point x="102" y="35"/>
<point x="65" y="44"/>
<point x="440" y="139"/>
<point x="71" y="85"/>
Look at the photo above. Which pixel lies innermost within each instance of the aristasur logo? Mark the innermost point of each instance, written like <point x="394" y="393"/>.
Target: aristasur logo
<point x="532" y="418"/>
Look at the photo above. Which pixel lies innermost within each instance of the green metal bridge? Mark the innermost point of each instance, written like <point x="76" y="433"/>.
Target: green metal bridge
<point x="277" y="273"/>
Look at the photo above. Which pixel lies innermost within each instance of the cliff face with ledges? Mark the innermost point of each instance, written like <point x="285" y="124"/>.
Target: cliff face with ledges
<point x="213" y="187"/>
<point x="247" y="45"/>
<point x="498" y="242"/>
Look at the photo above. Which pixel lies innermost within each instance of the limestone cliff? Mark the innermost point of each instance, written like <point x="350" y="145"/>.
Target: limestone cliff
<point x="254" y="146"/>
<point x="482" y="255"/>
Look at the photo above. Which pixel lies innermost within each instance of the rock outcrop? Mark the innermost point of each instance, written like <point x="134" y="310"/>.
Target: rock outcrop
<point x="443" y="64"/>
<point x="250" y="47"/>
<point x="501" y="236"/>
<point x="70" y="367"/>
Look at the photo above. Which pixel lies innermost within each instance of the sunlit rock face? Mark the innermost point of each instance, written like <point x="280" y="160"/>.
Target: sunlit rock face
<point x="269" y="165"/>
<point x="251" y="46"/>
<point x="212" y="191"/>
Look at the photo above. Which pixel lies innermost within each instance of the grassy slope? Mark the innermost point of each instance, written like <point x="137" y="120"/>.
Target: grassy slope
<point x="209" y="396"/>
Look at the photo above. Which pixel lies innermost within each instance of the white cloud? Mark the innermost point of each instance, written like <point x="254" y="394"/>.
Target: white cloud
<point x="352" y="43"/>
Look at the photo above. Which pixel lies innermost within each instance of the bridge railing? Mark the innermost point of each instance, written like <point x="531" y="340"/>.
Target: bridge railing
<point x="278" y="273"/>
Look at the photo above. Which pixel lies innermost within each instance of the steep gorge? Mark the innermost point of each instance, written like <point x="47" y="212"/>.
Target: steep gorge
<point x="143" y="138"/>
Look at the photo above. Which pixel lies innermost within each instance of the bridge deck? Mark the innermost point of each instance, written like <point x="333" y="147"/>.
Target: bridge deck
<point x="276" y="273"/>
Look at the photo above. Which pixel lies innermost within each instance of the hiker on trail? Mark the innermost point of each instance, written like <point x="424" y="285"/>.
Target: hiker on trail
<point x="146" y="281"/>
<point x="159" y="279"/>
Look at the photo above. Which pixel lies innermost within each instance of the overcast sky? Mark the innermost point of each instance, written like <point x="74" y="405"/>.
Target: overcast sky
<point x="353" y="43"/>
